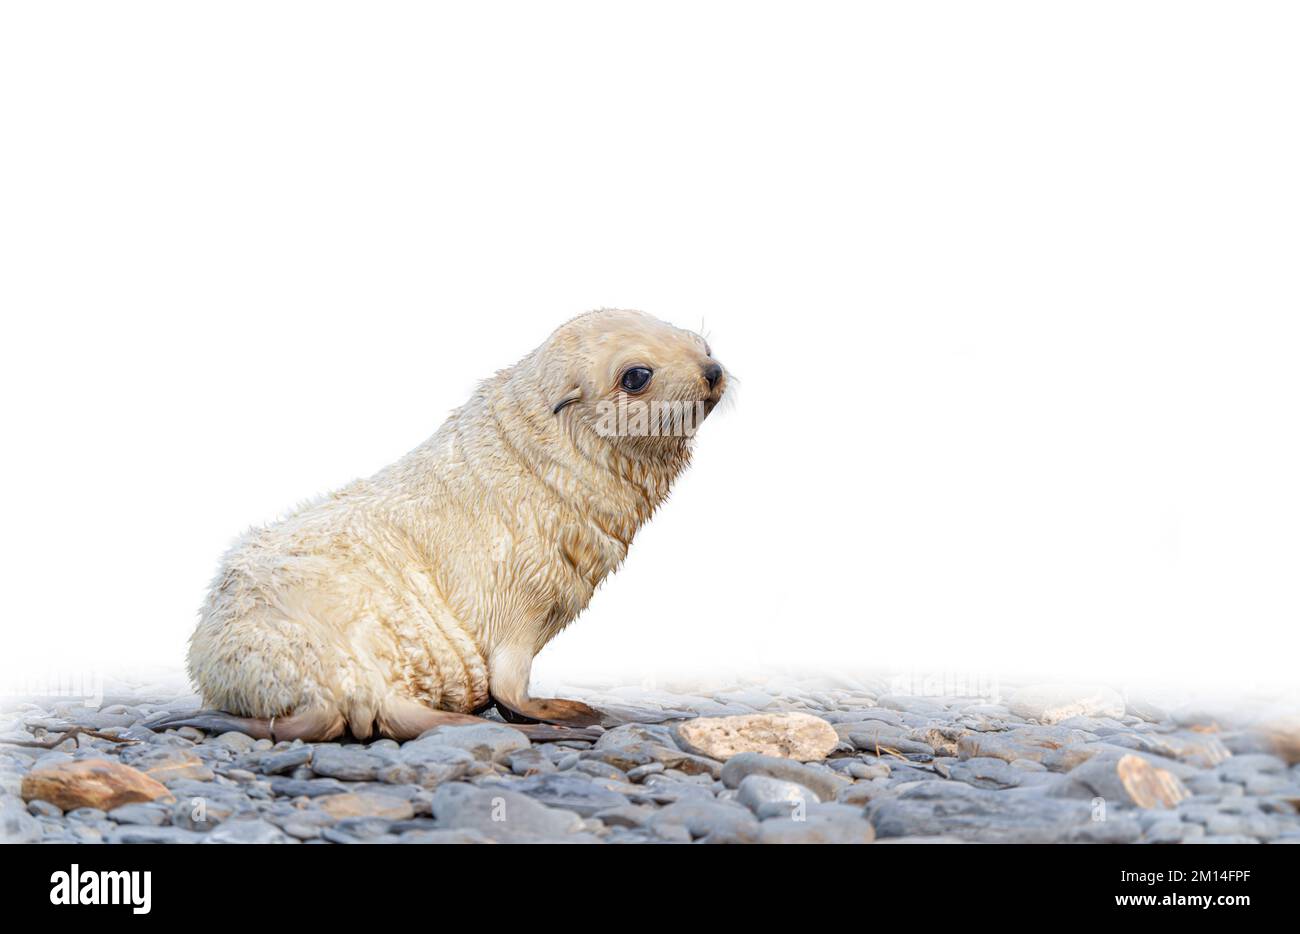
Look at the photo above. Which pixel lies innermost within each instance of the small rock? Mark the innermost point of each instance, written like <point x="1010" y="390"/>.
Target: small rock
<point x="277" y="763"/>
<point x="1128" y="780"/>
<point x="772" y="797"/>
<point x="306" y="787"/>
<point x="932" y="808"/>
<point x="1052" y="703"/>
<point x="39" y="808"/>
<point x="824" y="783"/>
<point x="98" y="783"/>
<point x="443" y="837"/>
<point x="627" y="815"/>
<point x="167" y="764"/>
<point x="630" y="734"/>
<point x="153" y="835"/>
<point x="16" y="825"/>
<point x="785" y="830"/>
<point x="569" y="792"/>
<point x="144" y="815"/>
<point x="797" y="736"/>
<point x="349" y="763"/>
<point x="246" y="831"/>
<point x="427" y="763"/>
<point x="531" y="761"/>
<point x="237" y="742"/>
<point x="1172" y="831"/>
<point x="1146" y="711"/>
<point x="859" y="769"/>
<point x="499" y="813"/>
<point x="987" y="772"/>
<point x="641" y="771"/>
<point x="1030" y="742"/>
<point x="710" y="821"/>
<point x="487" y="742"/>
<point x="366" y="804"/>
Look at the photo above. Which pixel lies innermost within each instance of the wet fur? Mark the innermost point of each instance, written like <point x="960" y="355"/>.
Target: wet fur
<point x="432" y="585"/>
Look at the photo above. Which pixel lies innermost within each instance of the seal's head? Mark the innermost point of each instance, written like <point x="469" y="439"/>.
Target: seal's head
<point x="632" y="378"/>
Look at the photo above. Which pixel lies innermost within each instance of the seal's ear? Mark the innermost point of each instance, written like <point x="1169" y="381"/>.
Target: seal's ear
<point x="573" y="396"/>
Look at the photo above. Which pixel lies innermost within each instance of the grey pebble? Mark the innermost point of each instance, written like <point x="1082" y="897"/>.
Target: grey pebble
<point x="570" y="792"/>
<point x="710" y="821"/>
<point x="773" y="797"/>
<point x="38" y="808"/>
<point x="823" y="781"/>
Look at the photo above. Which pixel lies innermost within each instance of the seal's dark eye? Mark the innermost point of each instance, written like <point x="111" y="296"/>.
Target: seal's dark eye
<point x="636" y="378"/>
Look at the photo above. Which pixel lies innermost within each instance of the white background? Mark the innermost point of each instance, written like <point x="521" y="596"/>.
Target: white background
<point x="1011" y="290"/>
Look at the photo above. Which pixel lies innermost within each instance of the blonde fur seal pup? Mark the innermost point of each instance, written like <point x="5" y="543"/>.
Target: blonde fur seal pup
<point x="418" y="596"/>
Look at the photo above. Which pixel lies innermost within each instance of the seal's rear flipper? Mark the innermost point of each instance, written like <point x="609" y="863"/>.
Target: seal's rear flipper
<point x="309" y="726"/>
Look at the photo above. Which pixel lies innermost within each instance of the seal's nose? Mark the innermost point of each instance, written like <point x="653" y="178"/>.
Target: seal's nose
<point x="712" y="373"/>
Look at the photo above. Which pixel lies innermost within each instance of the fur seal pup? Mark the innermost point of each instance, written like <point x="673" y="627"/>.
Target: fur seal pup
<point x="421" y="595"/>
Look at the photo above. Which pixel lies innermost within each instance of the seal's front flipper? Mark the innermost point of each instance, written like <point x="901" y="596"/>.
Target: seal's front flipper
<point x="555" y="710"/>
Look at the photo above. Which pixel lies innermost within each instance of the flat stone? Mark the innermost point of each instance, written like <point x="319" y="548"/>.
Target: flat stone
<point x="142" y="815"/>
<point x="1112" y="831"/>
<point x="859" y="769"/>
<point x="788" y="831"/>
<point x="366" y="804"/>
<point x="772" y="797"/>
<point x="1145" y="710"/>
<point x="1241" y="768"/>
<point x="17" y="825"/>
<point x="451" y="837"/>
<point x="235" y="741"/>
<point x="487" y="742"/>
<point x="1128" y="780"/>
<point x="1052" y="703"/>
<point x="988" y="772"/>
<point x="306" y="787"/>
<point x="873" y="744"/>
<point x="627" y="815"/>
<point x="642" y="771"/>
<point x="862" y="792"/>
<point x="1203" y="750"/>
<point x="909" y="703"/>
<point x="499" y="813"/>
<point x="755" y="699"/>
<point x="569" y="792"/>
<point x="246" y="831"/>
<point x="1030" y="742"/>
<point x="953" y="809"/>
<point x="153" y="835"/>
<point x="797" y="736"/>
<point x="531" y="761"/>
<point x="1172" y="831"/>
<point x="167" y="764"/>
<point x="709" y="821"/>
<point x="98" y="783"/>
<point x="39" y="808"/>
<point x="636" y="733"/>
<point x="349" y="763"/>
<point x="280" y="762"/>
<point x="824" y="783"/>
<point x="428" y="763"/>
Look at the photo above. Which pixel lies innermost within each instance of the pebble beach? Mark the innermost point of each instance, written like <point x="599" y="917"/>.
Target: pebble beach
<point x="766" y="761"/>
